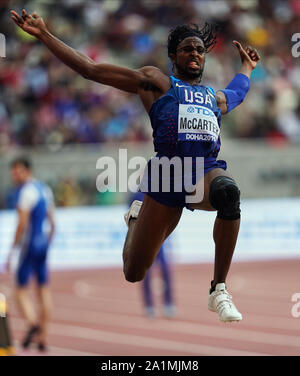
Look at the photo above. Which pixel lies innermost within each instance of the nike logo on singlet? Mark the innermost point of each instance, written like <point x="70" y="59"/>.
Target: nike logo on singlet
<point x="181" y="85"/>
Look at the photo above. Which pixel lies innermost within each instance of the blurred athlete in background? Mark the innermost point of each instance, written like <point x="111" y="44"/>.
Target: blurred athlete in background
<point x="186" y="120"/>
<point x="35" y="206"/>
<point x="163" y="263"/>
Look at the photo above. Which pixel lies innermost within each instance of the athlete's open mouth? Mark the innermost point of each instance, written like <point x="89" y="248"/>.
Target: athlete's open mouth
<point x="194" y="64"/>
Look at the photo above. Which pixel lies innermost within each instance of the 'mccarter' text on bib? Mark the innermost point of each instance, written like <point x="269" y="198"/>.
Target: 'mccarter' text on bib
<point x="197" y="123"/>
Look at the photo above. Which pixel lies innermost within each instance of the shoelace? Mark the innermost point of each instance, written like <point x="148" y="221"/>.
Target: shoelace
<point x="225" y="302"/>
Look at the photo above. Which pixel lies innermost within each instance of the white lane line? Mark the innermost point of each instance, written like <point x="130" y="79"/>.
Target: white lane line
<point x="262" y="298"/>
<point x="120" y="305"/>
<point x="255" y="319"/>
<point x="227" y="332"/>
<point x="145" y="342"/>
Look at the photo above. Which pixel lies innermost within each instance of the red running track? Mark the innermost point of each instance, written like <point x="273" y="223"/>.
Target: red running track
<point x="96" y="312"/>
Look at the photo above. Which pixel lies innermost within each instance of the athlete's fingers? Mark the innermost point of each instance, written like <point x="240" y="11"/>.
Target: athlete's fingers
<point x="14" y="13"/>
<point x="238" y="44"/>
<point x="15" y="20"/>
<point x="18" y="22"/>
<point x="25" y="15"/>
<point x="254" y="55"/>
<point x="240" y="48"/>
<point x="16" y="16"/>
<point x="249" y="50"/>
<point x="257" y="55"/>
<point x="34" y="15"/>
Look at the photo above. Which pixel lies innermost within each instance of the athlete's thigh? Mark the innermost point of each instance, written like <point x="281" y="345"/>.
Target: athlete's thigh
<point x="208" y="178"/>
<point x="154" y="224"/>
<point x="24" y="271"/>
<point x="41" y="272"/>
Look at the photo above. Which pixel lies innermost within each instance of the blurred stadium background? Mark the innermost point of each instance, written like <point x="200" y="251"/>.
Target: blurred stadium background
<point x="65" y="124"/>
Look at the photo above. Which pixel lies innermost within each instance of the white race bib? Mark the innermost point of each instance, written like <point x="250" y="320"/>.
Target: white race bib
<point x="197" y="123"/>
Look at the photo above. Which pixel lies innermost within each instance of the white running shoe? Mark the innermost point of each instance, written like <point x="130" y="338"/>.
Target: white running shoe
<point x="169" y="311"/>
<point x="133" y="212"/>
<point x="221" y="302"/>
<point x="150" y="312"/>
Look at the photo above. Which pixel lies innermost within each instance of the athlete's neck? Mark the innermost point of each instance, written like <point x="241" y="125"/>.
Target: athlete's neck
<point x="189" y="80"/>
<point x="27" y="179"/>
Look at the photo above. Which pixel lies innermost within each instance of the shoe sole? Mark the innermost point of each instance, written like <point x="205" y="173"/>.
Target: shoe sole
<point x="232" y="320"/>
<point x="228" y="320"/>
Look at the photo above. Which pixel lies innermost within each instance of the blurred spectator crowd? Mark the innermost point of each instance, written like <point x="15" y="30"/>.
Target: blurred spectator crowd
<point x="42" y="102"/>
<point x="69" y="192"/>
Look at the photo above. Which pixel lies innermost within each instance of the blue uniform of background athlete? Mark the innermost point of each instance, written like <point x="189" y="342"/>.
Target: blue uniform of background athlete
<point x="34" y="232"/>
<point x="36" y="198"/>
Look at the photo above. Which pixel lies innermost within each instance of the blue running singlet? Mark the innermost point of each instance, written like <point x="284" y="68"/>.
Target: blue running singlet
<point x="36" y="198"/>
<point x="186" y="122"/>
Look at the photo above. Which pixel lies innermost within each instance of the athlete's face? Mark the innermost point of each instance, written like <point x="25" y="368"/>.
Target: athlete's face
<point x="19" y="174"/>
<point x="190" y="57"/>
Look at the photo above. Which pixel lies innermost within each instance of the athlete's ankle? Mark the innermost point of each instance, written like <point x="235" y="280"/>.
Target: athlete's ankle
<point x="213" y="285"/>
<point x="131" y="221"/>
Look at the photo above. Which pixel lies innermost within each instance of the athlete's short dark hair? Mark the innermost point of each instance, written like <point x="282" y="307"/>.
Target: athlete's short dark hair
<point x="208" y="34"/>
<point x="24" y="161"/>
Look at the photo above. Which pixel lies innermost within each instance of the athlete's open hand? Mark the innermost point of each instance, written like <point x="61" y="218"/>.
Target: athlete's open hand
<point x="32" y="24"/>
<point x="248" y="56"/>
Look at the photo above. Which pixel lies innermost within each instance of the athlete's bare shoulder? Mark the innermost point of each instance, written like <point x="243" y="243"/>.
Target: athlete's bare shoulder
<point x="154" y="79"/>
<point x="154" y="84"/>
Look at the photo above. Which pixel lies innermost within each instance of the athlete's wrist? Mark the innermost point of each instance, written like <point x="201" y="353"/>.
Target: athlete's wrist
<point x="44" y="35"/>
<point x="246" y="69"/>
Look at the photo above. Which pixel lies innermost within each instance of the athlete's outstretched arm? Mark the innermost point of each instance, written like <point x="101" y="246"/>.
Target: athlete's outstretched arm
<point x="129" y="80"/>
<point x="237" y="89"/>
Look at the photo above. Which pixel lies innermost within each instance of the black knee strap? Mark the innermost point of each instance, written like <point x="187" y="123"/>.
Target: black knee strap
<point x="224" y="196"/>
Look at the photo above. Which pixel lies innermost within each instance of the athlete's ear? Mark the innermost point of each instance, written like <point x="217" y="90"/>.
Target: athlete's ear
<point x="172" y="57"/>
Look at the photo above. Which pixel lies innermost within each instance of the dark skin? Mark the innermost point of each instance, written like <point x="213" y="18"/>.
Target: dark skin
<point x="155" y="221"/>
<point x="148" y="82"/>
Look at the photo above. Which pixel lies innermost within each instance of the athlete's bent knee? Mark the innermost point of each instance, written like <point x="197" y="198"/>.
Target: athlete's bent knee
<point x="133" y="275"/>
<point x="224" y="196"/>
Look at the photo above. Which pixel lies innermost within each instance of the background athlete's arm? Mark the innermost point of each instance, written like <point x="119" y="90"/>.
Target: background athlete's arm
<point x="52" y="225"/>
<point x="130" y="80"/>
<point x="238" y="85"/>
<point x="23" y="218"/>
<point x="50" y="213"/>
<point x="26" y="201"/>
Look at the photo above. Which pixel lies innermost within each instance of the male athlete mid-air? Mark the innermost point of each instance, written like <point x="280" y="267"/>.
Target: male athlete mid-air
<point x="167" y="99"/>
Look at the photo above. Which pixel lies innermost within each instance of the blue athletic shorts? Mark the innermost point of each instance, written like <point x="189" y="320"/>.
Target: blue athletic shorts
<point x="178" y="199"/>
<point x="32" y="264"/>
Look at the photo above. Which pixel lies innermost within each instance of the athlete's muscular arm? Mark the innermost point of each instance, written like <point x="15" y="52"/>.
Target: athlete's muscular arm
<point x="249" y="58"/>
<point x="130" y="80"/>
